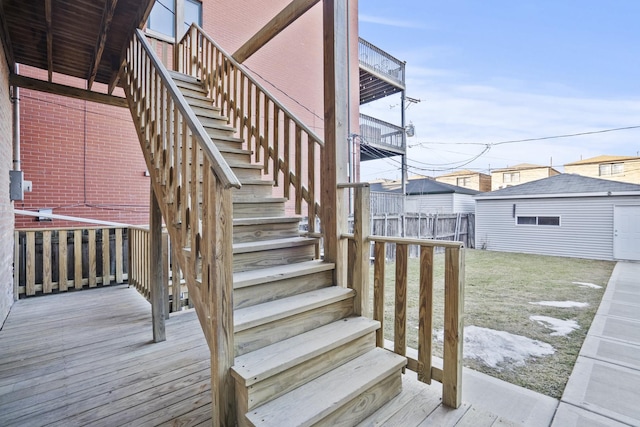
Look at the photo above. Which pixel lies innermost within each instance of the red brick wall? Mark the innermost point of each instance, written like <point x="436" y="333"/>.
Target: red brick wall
<point x="84" y="160"/>
<point x="6" y="206"/>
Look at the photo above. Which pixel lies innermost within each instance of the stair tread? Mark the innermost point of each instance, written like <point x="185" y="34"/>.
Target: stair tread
<point x="183" y="77"/>
<point x="239" y="165"/>
<point x="260" y="314"/>
<point x="266" y="220"/>
<point x="264" y="245"/>
<point x="327" y="393"/>
<point x="258" y="200"/>
<point x="249" y="181"/>
<point x="245" y="279"/>
<point x="271" y="360"/>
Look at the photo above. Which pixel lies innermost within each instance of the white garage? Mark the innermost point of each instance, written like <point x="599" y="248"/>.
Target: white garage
<point x="563" y="215"/>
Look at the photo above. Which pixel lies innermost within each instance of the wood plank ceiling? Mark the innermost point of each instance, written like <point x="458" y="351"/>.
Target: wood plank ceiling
<point x="79" y="38"/>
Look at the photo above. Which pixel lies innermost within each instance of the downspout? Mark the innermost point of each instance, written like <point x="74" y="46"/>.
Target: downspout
<point x="16" y="125"/>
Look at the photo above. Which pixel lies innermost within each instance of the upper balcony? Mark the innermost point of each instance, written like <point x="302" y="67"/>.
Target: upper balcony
<point x="380" y="139"/>
<point x="380" y="73"/>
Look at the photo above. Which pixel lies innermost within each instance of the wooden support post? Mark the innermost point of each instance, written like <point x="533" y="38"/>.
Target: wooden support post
<point x="361" y="233"/>
<point x="334" y="159"/>
<point x="165" y="276"/>
<point x="155" y="270"/>
<point x="453" y="327"/>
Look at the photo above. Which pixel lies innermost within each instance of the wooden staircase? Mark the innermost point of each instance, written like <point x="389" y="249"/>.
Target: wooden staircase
<point x="301" y="356"/>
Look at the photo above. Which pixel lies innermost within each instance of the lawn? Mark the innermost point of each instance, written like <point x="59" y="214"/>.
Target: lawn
<point x="499" y="291"/>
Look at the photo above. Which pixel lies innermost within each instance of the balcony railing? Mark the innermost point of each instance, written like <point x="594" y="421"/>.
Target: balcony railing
<point x="380" y="62"/>
<point x="381" y="135"/>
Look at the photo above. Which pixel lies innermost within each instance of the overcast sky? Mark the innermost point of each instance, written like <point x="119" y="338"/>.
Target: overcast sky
<point x="488" y="71"/>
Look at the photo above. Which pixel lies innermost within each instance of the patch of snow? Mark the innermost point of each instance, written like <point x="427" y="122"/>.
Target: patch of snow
<point x="493" y="347"/>
<point x="587" y="285"/>
<point x="561" y="327"/>
<point x="562" y="304"/>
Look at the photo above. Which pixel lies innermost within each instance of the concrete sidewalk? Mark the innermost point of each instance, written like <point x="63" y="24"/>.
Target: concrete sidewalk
<point x="604" y="387"/>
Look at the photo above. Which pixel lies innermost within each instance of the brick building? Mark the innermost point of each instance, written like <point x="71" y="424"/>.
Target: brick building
<point x="84" y="158"/>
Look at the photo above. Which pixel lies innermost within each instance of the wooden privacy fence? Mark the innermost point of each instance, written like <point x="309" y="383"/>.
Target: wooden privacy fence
<point x="448" y="227"/>
<point x="358" y="258"/>
<point x="174" y="284"/>
<point x="56" y="259"/>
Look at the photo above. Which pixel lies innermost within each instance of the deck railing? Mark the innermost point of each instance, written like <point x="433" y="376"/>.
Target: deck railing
<point x="177" y="296"/>
<point x="377" y="60"/>
<point x="192" y="189"/>
<point x="358" y="254"/>
<point x="381" y="134"/>
<point x="60" y="259"/>
<point x="278" y="139"/>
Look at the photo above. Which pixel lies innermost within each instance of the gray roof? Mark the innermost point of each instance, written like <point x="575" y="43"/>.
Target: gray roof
<point x="563" y="185"/>
<point x="416" y="187"/>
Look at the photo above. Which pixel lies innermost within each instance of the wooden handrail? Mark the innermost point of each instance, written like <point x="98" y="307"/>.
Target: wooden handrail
<point x="278" y="139"/>
<point x="409" y="241"/>
<point x="218" y="163"/>
<point x="257" y="84"/>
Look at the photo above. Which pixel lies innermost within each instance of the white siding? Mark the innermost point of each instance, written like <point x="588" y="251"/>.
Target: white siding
<point x="585" y="231"/>
<point x="463" y="203"/>
<point x="431" y="203"/>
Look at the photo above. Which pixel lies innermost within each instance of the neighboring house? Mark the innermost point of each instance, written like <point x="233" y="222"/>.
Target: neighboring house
<point x="467" y="179"/>
<point x="616" y="168"/>
<point x="425" y="195"/>
<point x="563" y="215"/>
<point x="519" y="174"/>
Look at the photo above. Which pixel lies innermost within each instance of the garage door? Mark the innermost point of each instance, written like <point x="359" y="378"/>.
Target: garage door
<point x="626" y="232"/>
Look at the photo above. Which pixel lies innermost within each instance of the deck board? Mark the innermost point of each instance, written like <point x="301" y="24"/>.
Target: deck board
<point x="87" y="358"/>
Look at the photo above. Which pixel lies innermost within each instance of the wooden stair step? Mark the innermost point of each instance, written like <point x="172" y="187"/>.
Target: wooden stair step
<point x="341" y="397"/>
<point x="267" y="284"/>
<point x="255" y="229"/>
<point x="243" y="170"/>
<point x="240" y="248"/>
<point x="268" y="312"/>
<point x="264" y="324"/>
<point x="268" y="361"/>
<point x="245" y="279"/>
<point x="192" y="84"/>
<point x="249" y="207"/>
<point x="175" y="75"/>
<point x="276" y="369"/>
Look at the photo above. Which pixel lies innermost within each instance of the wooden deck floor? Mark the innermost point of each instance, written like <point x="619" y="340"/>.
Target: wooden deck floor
<point x="86" y="358"/>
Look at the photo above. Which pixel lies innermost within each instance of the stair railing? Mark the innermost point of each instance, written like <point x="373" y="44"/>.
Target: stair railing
<point x="192" y="184"/>
<point x="359" y="258"/>
<point x="278" y="139"/>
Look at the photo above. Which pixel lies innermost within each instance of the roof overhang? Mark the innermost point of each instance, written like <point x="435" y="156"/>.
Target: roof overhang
<point x="485" y="196"/>
<point x="85" y="39"/>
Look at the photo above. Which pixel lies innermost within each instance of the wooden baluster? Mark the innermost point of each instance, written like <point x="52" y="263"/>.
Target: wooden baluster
<point x="378" y="289"/>
<point x="425" y="321"/>
<point x="400" y="327"/>
<point x="106" y="259"/>
<point x="31" y="263"/>
<point x="240" y="112"/>
<point x="275" y="154"/>
<point x="258" y="133"/>
<point x="298" y="171"/>
<point x="287" y="155"/>
<point x="46" y="262"/>
<point x="92" y="258"/>
<point x="265" y="136"/>
<point x="119" y="257"/>
<point x="62" y="261"/>
<point x="77" y="259"/>
<point x="453" y="327"/>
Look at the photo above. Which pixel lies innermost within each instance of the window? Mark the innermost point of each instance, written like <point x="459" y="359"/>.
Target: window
<point x="538" y="220"/>
<point x="511" y="177"/>
<point x="611" y="169"/>
<point x="463" y="182"/>
<point x="162" y="16"/>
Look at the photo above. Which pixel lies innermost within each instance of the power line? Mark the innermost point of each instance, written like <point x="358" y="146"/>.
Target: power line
<point x="527" y="139"/>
